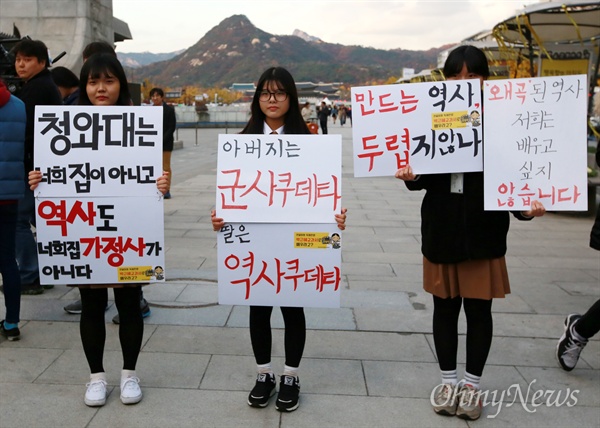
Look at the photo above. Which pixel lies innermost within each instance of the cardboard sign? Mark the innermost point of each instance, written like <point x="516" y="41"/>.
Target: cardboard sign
<point x="99" y="213"/>
<point x="280" y="265"/>
<point x="536" y="143"/>
<point x="435" y="127"/>
<point x="279" y="178"/>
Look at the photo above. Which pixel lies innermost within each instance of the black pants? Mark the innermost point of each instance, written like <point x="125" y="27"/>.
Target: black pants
<point x="92" y="326"/>
<point x="260" y="334"/>
<point x="323" y="127"/>
<point x="479" y="332"/>
<point x="589" y="324"/>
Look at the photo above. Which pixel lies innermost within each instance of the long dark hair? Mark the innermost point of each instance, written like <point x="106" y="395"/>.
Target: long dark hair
<point x="103" y="64"/>
<point x="293" y="121"/>
<point x="473" y="57"/>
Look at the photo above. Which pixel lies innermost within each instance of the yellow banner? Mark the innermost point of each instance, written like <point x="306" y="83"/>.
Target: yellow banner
<point x="564" y="67"/>
<point x="135" y="273"/>
<point x="315" y="240"/>
<point x="450" y="119"/>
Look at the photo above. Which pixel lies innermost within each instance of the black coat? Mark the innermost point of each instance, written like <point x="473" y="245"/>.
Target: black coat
<point x="40" y="90"/>
<point x="169" y="125"/>
<point x="323" y="114"/>
<point x="454" y="226"/>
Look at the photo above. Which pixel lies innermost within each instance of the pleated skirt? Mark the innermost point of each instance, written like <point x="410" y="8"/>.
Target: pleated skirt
<point x="474" y="279"/>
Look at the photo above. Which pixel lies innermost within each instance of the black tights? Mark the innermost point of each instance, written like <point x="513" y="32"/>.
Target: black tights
<point x="260" y="334"/>
<point x="92" y="326"/>
<point x="480" y="328"/>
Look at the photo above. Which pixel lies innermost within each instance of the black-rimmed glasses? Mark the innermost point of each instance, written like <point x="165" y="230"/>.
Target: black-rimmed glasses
<point x="279" y="96"/>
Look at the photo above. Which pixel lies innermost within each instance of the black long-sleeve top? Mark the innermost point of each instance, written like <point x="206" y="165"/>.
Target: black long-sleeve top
<point x="454" y="226"/>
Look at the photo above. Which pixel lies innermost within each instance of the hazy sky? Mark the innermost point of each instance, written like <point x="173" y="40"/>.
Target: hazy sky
<point x="166" y="26"/>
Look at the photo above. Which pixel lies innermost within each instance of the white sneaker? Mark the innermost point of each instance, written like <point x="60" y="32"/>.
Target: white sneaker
<point x="444" y="399"/>
<point x="96" y="393"/>
<point x="131" y="392"/>
<point x="469" y="402"/>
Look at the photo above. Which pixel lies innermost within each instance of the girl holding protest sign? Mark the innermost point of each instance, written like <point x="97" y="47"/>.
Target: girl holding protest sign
<point x="463" y="261"/>
<point x="275" y="110"/>
<point x="103" y="83"/>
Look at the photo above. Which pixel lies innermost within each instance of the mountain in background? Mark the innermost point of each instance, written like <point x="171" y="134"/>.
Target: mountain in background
<point x="235" y="51"/>
<point x="139" y="59"/>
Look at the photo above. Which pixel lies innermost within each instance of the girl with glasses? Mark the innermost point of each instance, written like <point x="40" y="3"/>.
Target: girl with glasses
<point x="275" y="109"/>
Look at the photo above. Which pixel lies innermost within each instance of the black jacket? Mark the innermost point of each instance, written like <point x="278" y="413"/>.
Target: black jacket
<point x="454" y="226"/>
<point x="323" y="114"/>
<point x="169" y="125"/>
<point x="40" y="90"/>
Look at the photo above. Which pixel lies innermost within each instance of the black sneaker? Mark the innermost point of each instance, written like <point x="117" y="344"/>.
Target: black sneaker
<point x="263" y="390"/>
<point x="569" y="347"/>
<point x="145" y="311"/>
<point x="73" y="308"/>
<point x="289" y="391"/>
<point x="12" y="334"/>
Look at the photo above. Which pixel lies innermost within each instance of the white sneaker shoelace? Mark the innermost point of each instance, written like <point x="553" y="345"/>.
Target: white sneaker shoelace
<point x="95" y="395"/>
<point x="573" y="350"/>
<point x="131" y="392"/>
<point x="445" y="395"/>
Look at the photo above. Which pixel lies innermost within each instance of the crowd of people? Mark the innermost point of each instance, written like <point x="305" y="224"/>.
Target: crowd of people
<point x="463" y="245"/>
<point x="324" y="111"/>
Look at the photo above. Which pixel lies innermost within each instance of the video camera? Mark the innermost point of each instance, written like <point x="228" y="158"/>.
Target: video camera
<point x="7" y="61"/>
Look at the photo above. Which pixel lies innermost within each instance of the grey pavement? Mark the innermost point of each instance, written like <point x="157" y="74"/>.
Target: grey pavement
<point x="370" y="363"/>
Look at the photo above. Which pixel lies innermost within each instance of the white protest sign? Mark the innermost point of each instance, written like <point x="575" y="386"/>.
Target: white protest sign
<point x="434" y="126"/>
<point x="279" y="178"/>
<point x="99" y="151"/>
<point x="280" y="265"/>
<point x="100" y="240"/>
<point x="536" y="143"/>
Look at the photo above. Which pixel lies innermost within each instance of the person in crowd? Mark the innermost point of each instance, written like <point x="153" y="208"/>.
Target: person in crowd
<point x="75" y="307"/>
<point x="334" y="113"/>
<point x="342" y="114"/>
<point x="68" y="84"/>
<point x="103" y="83"/>
<point x="464" y="262"/>
<point x="31" y="63"/>
<point x="306" y="112"/>
<point x="275" y="109"/>
<point x="323" y="115"/>
<point x="157" y="96"/>
<point x="99" y="46"/>
<point x="13" y="120"/>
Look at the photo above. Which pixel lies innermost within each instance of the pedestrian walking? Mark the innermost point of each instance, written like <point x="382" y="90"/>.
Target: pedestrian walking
<point x="323" y="115"/>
